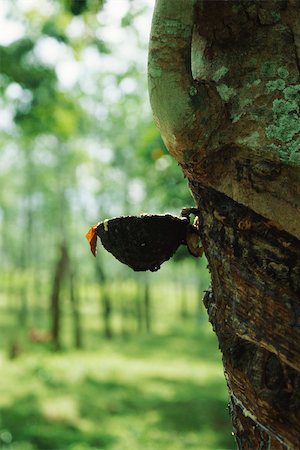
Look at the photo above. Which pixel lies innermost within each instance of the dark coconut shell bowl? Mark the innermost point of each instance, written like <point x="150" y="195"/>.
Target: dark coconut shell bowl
<point x="143" y="242"/>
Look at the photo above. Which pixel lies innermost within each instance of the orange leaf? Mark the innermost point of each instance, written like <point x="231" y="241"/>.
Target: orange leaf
<point x="91" y="236"/>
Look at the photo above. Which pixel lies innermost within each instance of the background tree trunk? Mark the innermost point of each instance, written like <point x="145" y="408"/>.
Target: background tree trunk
<point x="147" y="305"/>
<point x="55" y="301"/>
<point x="230" y="116"/>
<point x="75" y="309"/>
<point x="106" y="304"/>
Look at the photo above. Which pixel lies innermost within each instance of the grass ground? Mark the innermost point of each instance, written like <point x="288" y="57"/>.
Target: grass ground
<point x="160" y="391"/>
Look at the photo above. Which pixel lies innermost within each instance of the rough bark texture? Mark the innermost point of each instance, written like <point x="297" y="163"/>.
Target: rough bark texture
<point x="255" y="311"/>
<point x="236" y="136"/>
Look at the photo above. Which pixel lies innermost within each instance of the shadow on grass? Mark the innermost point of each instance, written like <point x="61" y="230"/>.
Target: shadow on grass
<point x="188" y="407"/>
<point x="23" y="422"/>
<point x="194" y="406"/>
<point x="179" y="407"/>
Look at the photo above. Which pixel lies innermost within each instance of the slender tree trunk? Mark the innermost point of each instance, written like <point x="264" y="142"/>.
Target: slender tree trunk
<point x="184" y="313"/>
<point x="147" y="306"/>
<point x="105" y="300"/>
<point x="75" y="311"/>
<point x="124" y="316"/>
<point x="60" y="270"/>
<point x="139" y="309"/>
<point x="23" y="297"/>
<point x="106" y="310"/>
<point x="225" y="88"/>
<point x="39" y="292"/>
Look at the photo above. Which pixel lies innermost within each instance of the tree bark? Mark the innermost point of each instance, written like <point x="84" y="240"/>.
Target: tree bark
<point x="224" y="87"/>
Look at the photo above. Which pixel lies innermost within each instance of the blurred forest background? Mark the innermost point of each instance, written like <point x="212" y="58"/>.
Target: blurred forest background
<point x="93" y="355"/>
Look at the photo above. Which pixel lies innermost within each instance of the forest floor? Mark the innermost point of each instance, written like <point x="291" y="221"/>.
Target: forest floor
<point x="159" y="391"/>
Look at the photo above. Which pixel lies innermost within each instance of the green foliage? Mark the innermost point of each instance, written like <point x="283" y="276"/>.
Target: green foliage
<point x="78" y="7"/>
<point x="15" y="67"/>
<point x="53" y="172"/>
<point x="53" y="29"/>
<point x="73" y="153"/>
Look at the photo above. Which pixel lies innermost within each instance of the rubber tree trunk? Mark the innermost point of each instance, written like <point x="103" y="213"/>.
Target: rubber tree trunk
<point x="147" y="305"/>
<point x="139" y="308"/>
<point x="224" y="88"/>
<point x="55" y="300"/>
<point x="75" y="309"/>
<point x="105" y="299"/>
